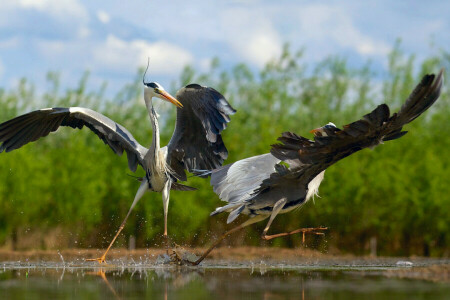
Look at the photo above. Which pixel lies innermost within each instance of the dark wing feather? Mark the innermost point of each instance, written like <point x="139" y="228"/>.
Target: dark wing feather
<point x="31" y="126"/>
<point x="312" y="157"/>
<point x="196" y="143"/>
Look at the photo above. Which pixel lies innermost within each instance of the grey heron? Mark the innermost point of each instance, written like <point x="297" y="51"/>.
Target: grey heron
<point x="196" y="143"/>
<point x="263" y="186"/>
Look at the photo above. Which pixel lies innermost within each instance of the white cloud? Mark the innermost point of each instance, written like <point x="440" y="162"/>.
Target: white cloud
<point x="103" y="17"/>
<point x="56" y="8"/>
<point x="83" y="32"/>
<point x="51" y="48"/>
<point x="330" y="25"/>
<point x="58" y="34"/>
<point x="23" y="15"/>
<point x="117" y="54"/>
<point x="9" y="43"/>
<point x="262" y="47"/>
<point x="368" y="47"/>
<point x="251" y="35"/>
<point x="205" y="64"/>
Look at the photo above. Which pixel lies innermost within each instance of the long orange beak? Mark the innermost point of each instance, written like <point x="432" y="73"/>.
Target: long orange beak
<point x="169" y="98"/>
<point x="317" y="131"/>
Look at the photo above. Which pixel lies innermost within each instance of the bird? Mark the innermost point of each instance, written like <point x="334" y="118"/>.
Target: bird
<point x="278" y="182"/>
<point x="202" y="114"/>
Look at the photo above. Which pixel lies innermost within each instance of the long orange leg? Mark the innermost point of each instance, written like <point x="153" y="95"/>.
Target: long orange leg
<point x="142" y="189"/>
<point x="166" y="197"/>
<point x="276" y="209"/>
<point x="246" y="223"/>
<point x="103" y="257"/>
<point x="316" y="230"/>
<point x="216" y="243"/>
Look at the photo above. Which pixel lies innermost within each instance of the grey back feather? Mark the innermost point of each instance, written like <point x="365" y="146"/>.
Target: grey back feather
<point x="235" y="183"/>
<point x="235" y="213"/>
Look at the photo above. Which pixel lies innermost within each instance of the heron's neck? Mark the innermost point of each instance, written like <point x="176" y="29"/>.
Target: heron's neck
<point x="155" y="147"/>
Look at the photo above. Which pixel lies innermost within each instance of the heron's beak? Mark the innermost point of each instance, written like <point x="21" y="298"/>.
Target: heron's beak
<point x="166" y="96"/>
<point x="317" y="131"/>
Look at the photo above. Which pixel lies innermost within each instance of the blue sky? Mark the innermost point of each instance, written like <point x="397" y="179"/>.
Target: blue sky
<point x="113" y="38"/>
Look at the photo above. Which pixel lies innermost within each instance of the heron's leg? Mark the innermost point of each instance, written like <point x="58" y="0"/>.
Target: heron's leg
<point x="316" y="230"/>
<point x="245" y="224"/>
<point x="142" y="189"/>
<point x="276" y="209"/>
<point x="166" y="197"/>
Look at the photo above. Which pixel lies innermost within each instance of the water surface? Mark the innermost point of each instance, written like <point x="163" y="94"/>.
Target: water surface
<point x="222" y="280"/>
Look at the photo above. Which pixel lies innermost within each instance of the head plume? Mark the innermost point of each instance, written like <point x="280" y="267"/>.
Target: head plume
<point x="145" y="73"/>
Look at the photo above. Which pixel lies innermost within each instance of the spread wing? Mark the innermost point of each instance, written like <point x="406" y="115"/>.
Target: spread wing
<point x="308" y="158"/>
<point x="235" y="183"/>
<point x="196" y="143"/>
<point x="31" y="126"/>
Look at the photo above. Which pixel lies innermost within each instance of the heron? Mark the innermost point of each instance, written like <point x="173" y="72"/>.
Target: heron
<point x="278" y="182"/>
<point x="202" y="114"/>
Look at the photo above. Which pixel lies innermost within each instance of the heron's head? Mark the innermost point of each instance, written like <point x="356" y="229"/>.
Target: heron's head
<point x="322" y="131"/>
<point x="154" y="89"/>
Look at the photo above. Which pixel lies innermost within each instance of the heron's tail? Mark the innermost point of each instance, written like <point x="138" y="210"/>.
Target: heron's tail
<point x="140" y="179"/>
<point x="201" y="173"/>
<point x="235" y="210"/>
<point x="181" y="187"/>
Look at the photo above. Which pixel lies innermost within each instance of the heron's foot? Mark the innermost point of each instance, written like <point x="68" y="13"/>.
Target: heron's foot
<point x="100" y="259"/>
<point x="304" y="231"/>
<point x="170" y="244"/>
<point x="180" y="257"/>
<point x="175" y="256"/>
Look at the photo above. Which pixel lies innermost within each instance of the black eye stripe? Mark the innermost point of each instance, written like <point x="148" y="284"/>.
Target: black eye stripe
<point x="152" y="85"/>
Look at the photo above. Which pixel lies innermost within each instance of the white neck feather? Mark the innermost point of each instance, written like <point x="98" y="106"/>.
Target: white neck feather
<point x="313" y="186"/>
<point x="155" y="146"/>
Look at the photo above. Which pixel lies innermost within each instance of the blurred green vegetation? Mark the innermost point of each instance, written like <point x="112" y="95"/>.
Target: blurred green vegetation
<point x="70" y="190"/>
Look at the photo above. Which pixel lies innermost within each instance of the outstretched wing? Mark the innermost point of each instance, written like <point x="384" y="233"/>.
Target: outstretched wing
<point x="31" y="126"/>
<point x="312" y="157"/>
<point x="235" y="183"/>
<point x="196" y="143"/>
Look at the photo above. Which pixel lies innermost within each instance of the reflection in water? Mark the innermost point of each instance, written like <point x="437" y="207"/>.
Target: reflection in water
<point x="260" y="281"/>
<point x="176" y="278"/>
<point x="102" y="274"/>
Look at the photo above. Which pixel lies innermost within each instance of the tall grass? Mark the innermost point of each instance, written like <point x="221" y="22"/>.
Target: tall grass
<point x="71" y="186"/>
